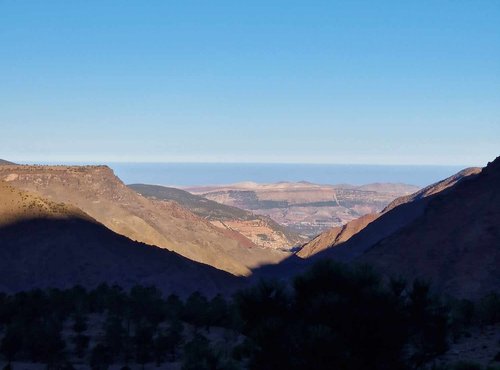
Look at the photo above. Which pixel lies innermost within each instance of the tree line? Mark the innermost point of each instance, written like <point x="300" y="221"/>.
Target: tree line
<point x="331" y="317"/>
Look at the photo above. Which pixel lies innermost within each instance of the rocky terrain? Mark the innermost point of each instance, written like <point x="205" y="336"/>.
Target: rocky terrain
<point x="335" y="236"/>
<point x="303" y="207"/>
<point x="448" y="233"/>
<point x="49" y="244"/>
<point x="454" y="242"/>
<point x="338" y="235"/>
<point x="261" y="230"/>
<point x="100" y="194"/>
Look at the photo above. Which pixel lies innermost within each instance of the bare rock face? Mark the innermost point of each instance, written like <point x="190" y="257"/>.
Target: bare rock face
<point x="48" y="244"/>
<point x="100" y="194"/>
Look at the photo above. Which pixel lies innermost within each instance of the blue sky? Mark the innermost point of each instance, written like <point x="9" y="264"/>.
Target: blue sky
<point x="374" y="82"/>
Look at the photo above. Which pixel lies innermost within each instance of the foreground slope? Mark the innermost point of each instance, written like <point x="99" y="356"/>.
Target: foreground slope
<point x="261" y="230"/>
<point x="411" y="206"/>
<point x="100" y="194"/>
<point x="48" y="244"/>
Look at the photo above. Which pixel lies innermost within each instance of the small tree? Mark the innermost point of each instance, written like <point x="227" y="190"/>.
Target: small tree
<point x="80" y="340"/>
<point x="114" y="336"/>
<point x="175" y="338"/>
<point x="196" y="310"/>
<point x="11" y="343"/>
<point x="100" y="357"/>
<point x="218" y="312"/>
<point x="143" y="341"/>
<point x="173" y="307"/>
<point x="81" y="343"/>
<point x="79" y="323"/>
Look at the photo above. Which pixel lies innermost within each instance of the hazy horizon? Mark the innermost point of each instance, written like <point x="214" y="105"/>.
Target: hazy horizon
<point x="106" y="162"/>
<point x="199" y="174"/>
<point x="185" y="174"/>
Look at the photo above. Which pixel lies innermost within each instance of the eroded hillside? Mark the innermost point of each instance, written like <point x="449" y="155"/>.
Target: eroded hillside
<point x="49" y="244"/>
<point x="100" y="194"/>
<point x="304" y="207"/>
<point x="339" y="235"/>
<point x="261" y="230"/>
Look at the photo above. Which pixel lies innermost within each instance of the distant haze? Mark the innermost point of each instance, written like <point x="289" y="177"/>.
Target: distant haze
<point x="186" y="174"/>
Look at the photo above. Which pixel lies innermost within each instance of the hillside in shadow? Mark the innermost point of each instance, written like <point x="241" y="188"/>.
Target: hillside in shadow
<point x="61" y="253"/>
<point x="448" y="235"/>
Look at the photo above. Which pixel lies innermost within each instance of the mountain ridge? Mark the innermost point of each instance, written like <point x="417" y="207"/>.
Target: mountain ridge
<point x="99" y="193"/>
<point x="3" y="162"/>
<point x="449" y="236"/>
<point x="48" y="244"/>
<point x="261" y="230"/>
<point x="330" y="238"/>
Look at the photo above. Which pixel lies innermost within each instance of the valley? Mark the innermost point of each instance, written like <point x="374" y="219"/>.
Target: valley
<point x="250" y="185"/>
<point x="100" y="194"/>
<point x="423" y="258"/>
<point x="261" y="230"/>
<point x="305" y="208"/>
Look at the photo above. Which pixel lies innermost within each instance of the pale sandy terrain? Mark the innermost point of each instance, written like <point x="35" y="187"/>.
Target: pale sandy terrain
<point x="306" y="208"/>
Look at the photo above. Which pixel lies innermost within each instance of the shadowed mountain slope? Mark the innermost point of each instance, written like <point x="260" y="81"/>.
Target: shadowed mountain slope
<point x="100" y="194"/>
<point x="448" y="233"/>
<point x="261" y="230"/>
<point x="336" y="236"/>
<point x="48" y="244"/>
<point x="383" y="226"/>
<point x="455" y="241"/>
<point x="434" y="188"/>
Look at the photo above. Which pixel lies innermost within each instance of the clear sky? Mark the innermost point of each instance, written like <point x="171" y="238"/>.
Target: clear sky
<point x="385" y="82"/>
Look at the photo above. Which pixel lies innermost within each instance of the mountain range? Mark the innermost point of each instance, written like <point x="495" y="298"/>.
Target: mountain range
<point x="261" y="230"/>
<point x="100" y="194"/>
<point x="49" y="244"/>
<point x="304" y="207"/>
<point x="65" y="225"/>
<point x="391" y="223"/>
<point x="447" y="233"/>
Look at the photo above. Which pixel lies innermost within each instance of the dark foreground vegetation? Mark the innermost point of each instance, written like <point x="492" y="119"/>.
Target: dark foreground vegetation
<point x="332" y="317"/>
